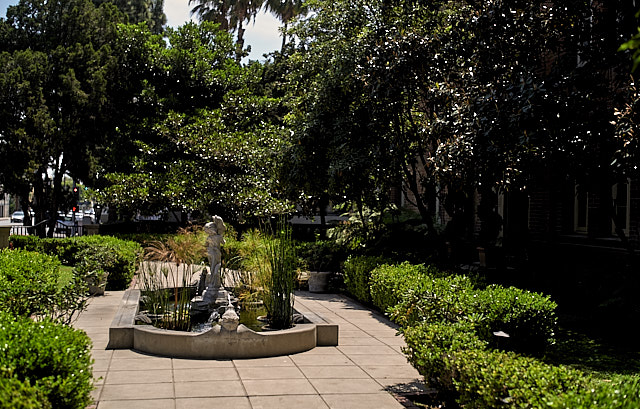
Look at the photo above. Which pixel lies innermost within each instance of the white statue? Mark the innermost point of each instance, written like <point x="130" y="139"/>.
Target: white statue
<point x="215" y="229"/>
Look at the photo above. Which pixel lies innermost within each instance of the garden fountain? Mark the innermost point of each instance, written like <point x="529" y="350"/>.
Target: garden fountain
<point x="214" y="297"/>
<point x="230" y="339"/>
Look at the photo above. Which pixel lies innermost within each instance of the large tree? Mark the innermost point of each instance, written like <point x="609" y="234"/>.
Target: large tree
<point x="209" y="136"/>
<point x="56" y="63"/>
<point x="451" y="97"/>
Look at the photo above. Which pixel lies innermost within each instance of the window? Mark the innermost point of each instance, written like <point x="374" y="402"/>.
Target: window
<point x="621" y="194"/>
<point x="581" y="210"/>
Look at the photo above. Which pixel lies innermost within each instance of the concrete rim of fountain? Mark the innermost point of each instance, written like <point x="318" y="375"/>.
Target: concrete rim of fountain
<point x="218" y="342"/>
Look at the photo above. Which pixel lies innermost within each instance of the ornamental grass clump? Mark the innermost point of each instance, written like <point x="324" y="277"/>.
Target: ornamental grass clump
<point x="167" y="276"/>
<point x="278" y="266"/>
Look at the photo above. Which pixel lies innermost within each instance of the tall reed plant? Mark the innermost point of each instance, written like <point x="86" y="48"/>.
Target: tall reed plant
<point x="166" y="277"/>
<point x="278" y="266"/>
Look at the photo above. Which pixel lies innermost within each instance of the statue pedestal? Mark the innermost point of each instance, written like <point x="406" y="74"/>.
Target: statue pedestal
<point x="211" y="299"/>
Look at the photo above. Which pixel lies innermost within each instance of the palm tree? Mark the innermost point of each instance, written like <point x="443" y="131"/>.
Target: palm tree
<point x="230" y="14"/>
<point x="285" y="10"/>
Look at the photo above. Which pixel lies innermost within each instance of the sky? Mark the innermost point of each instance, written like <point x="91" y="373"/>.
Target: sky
<point x="263" y="36"/>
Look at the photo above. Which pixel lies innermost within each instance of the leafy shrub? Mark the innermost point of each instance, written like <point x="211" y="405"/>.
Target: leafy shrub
<point x="17" y="394"/>
<point x="357" y="272"/>
<point x="29" y="243"/>
<point x="321" y="255"/>
<point x="430" y="345"/>
<point x="31" y="284"/>
<point x="488" y="379"/>
<point x="623" y="393"/>
<point x="528" y="318"/>
<point x="434" y="299"/>
<point x="118" y="258"/>
<point x="390" y="283"/>
<point x="28" y="282"/>
<point x="53" y="358"/>
<point x="67" y="250"/>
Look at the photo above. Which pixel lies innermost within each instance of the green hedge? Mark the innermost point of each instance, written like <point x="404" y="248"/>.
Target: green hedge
<point x="487" y="379"/>
<point x="28" y="282"/>
<point x="32" y="284"/>
<point x="17" y="394"/>
<point x="390" y="283"/>
<point x="52" y="358"/>
<point x="357" y="274"/>
<point x="118" y="258"/>
<point x="450" y="322"/>
<point x="600" y="394"/>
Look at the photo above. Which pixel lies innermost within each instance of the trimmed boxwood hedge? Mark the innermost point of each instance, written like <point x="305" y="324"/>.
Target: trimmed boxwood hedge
<point x="44" y="361"/>
<point x="357" y="274"/>
<point x="119" y="258"/>
<point x="450" y="322"/>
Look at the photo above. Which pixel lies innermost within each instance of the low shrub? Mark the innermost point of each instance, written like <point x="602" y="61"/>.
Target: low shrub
<point x="118" y="258"/>
<point x="390" y="283"/>
<point x="489" y="379"/>
<point x="54" y="359"/>
<point x="32" y="284"/>
<point x="434" y="299"/>
<point x="321" y="255"/>
<point x="29" y="243"/>
<point x="620" y="393"/>
<point x="17" y="394"/>
<point x="430" y="347"/>
<point x="528" y="318"/>
<point x="357" y="273"/>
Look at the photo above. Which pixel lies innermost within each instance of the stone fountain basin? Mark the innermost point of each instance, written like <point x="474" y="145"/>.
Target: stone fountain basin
<point x="216" y="343"/>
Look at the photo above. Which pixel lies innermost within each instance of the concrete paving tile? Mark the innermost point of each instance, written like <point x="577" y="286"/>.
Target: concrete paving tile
<point x="375" y="360"/>
<point x="136" y="391"/>
<point x="362" y="401"/>
<point x="282" y="372"/>
<point x="391" y="371"/>
<point x="273" y="361"/>
<point x="327" y="350"/>
<point x="348" y="327"/>
<point x="101" y="364"/>
<point x="397" y="340"/>
<point x="378" y="330"/>
<point x="262" y="387"/>
<point x="201" y="363"/>
<point x="96" y="392"/>
<point x="352" y="334"/>
<point x="288" y="402"/>
<point x="334" y="372"/>
<point x="330" y="386"/>
<point x="139" y="364"/>
<point x="323" y="360"/>
<point x="367" y="350"/>
<point x="226" y="402"/>
<point x="138" y="404"/>
<point x="352" y="341"/>
<point x="148" y="376"/>
<point x="205" y="374"/>
<point x="101" y="353"/>
<point x="131" y="353"/>
<point x="209" y="389"/>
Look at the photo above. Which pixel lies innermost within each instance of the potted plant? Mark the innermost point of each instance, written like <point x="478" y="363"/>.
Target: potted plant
<point x="97" y="281"/>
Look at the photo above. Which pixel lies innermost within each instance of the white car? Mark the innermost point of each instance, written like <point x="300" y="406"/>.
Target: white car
<point x="17" y="217"/>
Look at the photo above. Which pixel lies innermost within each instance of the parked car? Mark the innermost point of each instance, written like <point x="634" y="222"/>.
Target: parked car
<point x="17" y="217"/>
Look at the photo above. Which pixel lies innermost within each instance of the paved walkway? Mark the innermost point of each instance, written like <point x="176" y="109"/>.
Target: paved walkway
<point x="366" y="370"/>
